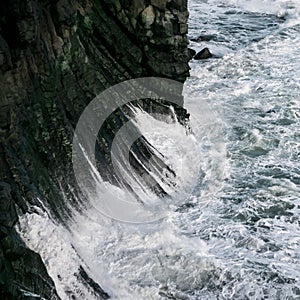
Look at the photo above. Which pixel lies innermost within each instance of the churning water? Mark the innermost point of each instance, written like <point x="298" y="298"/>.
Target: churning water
<point x="237" y="234"/>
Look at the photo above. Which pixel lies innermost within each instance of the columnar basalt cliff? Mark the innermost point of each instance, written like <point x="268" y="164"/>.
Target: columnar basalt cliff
<point x="55" y="57"/>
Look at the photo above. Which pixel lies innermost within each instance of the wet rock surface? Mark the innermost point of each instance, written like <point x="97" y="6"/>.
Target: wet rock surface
<point x="192" y="53"/>
<point x="55" y="57"/>
<point x="203" y="54"/>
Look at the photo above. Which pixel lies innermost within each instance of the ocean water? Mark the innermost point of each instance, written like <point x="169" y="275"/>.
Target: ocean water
<point x="236" y="233"/>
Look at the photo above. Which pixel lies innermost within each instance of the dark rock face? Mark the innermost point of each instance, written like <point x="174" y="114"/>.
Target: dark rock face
<point x="55" y="57"/>
<point x="22" y="272"/>
<point x="192" y="53"/>
<point x="83" y="276"/>
<point x="203" y="54"/>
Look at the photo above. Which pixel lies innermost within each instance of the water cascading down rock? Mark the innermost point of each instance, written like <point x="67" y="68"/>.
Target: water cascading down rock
<point x="55" y="57"/>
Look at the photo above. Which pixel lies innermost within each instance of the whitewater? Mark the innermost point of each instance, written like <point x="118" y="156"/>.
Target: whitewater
<point x="235" y="233"/>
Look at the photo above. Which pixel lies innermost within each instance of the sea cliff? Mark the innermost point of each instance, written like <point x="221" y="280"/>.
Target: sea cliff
<point x="55" y="57"/>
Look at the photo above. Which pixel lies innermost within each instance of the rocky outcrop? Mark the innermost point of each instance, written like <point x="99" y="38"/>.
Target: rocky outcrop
<point x="22" y="272"/>
<point x="55" y="56"/>
<point x="203" y="54"/>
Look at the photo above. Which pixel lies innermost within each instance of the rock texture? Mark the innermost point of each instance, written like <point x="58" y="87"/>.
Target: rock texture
<point x="55" y="56"/>
<point x="203" y="54"/>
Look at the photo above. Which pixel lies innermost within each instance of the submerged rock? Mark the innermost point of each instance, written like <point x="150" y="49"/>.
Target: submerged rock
<point x="204" y="38"/>
<point x="203" y="54"/>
